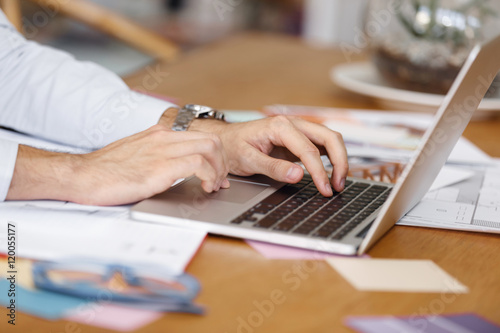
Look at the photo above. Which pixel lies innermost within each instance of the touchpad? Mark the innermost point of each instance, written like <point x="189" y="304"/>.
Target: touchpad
<point x="239" y="192"/>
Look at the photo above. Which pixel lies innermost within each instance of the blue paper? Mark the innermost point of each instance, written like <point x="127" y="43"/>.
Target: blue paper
<point x="40" y="303"/>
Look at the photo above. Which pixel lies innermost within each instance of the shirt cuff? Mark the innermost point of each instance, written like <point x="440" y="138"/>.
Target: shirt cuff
<point x="8" y="151"/>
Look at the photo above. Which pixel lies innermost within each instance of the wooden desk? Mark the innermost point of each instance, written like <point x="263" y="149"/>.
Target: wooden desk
<point x="248" y="72"/>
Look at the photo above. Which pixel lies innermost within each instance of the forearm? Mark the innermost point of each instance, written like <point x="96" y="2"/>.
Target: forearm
<point x="126" y="171"/>
<point x="40" y="174"/>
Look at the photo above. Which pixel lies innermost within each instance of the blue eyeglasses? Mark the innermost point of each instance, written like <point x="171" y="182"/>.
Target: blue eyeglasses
<point x="140" y="286"/>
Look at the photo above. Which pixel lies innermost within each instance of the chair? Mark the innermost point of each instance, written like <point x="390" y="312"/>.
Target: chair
<point x="12" y="10"/>
<point x="103" y="20"/>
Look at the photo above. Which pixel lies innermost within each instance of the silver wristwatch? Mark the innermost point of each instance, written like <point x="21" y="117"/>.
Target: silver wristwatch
<point x="189" y="112"/>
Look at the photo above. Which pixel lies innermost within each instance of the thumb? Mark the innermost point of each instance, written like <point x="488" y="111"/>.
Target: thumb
<point x="277" y="169"/>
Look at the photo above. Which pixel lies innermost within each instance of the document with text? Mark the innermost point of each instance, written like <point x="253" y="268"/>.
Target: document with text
<point x="473" y="204"/>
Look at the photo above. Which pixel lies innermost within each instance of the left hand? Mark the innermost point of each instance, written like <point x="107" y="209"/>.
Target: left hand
<point x="267" y="146"/>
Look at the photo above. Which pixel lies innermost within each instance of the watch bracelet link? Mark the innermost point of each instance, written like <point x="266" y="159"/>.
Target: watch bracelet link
<point x="189" y="112"/>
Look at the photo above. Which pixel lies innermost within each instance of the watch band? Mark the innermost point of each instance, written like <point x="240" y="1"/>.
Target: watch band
<point x="189" y="112"/>
<point x="183" y="120"/>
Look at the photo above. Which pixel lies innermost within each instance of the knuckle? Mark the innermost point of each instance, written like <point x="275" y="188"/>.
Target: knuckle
<point x="312" y="150"/>
<point x="197" y="160"/>
<point x="212" y="142"/>
<point x="280" y="120"/>
<point x="211" y="145"/>
<point x="337" y="136"/>
<point x="274" y="167"/>
<point x="216" y="139"/>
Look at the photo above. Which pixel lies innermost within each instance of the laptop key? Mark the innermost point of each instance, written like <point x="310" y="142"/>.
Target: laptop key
<point x="356" y="221"/>
<point x="281" y="195"/>
<point x="237" y="220"/>
<point x="340" y="235"/>
<point x="266" y="222"/>
<point x="322" y="233"/>
<point x="250" y="219"/>
<point x="300" y="209"/>
<point x="263" y="208"/>
<point x="284" y="226"/>
<point x="303" y="230"/>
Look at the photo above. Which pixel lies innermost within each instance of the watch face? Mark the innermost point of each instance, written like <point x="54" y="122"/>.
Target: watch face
<point x="198" y="108"/>
<point x="200" y="112"/>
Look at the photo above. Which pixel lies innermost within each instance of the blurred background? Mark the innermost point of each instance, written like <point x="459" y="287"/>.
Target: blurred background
<point x="417" y="45"/>
<point x="192" y="23"/>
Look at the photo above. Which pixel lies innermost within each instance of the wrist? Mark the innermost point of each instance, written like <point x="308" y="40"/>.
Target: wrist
<point x="208" y="126"/>
<point x="201" y="125"/>
<point x="168" y="117"/>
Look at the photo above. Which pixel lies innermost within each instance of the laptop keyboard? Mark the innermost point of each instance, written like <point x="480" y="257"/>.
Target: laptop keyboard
<point x="300" y="209"/>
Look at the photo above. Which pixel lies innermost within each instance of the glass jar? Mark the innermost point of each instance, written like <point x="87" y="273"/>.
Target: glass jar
<point x="422" y="44"/>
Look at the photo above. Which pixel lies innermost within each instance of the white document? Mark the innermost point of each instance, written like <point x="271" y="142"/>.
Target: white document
<point x="56" y="230"/>
<point x="396" y="275"/>
<point x="103" y="235"/>
<point x="472" y="204"/>
<point x="464" y="152"/>
<point x="450" y="175"/>
<point x="393" y="135"/>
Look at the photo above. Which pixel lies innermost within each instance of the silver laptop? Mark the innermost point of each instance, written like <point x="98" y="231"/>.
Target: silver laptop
<point x="348" y="223"/>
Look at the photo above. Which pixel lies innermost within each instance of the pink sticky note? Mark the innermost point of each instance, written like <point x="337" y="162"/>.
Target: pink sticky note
<point x="273" y="251"/>
<point x="113" y="317"/>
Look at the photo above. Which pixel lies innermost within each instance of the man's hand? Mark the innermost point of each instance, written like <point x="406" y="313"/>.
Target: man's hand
<point x="142" y="165"/>
<point x="128" y="170"/>
<point x="268" y="145"/>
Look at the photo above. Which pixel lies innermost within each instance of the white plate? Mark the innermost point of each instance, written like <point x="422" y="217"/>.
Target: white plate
<point x="363" y="78"/>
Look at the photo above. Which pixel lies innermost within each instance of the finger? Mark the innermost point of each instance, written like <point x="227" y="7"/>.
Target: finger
<point x="287" y="135"/>
<point x="278" y="169"/>
<point x="334" y="145"/>
<point x="211" y="151"/>
<point x="225" y="184"/>
<point x="192" y="165"/>
<point x="173" y="144"/>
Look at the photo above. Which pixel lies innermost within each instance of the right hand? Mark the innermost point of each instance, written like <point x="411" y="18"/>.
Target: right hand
<point x="147" y="163"/>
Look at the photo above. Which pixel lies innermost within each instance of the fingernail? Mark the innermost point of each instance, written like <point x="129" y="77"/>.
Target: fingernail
<point x="226" y="183"/>
<point x="328" y="189"/>
<point x="342" y="183"/>
<point x="293" y="173"/>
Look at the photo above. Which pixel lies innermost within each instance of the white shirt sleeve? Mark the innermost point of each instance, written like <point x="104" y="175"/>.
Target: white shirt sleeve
<point x="47" y="93"/>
